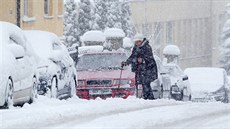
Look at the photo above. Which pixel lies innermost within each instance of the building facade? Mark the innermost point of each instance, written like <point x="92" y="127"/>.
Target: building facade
<point x="194" y="26"/>
<point x="44" y="15"/>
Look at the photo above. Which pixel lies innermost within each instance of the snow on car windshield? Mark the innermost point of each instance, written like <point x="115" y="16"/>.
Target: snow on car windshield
<point x="103" y="61"/>
<point x="173" y="70"/>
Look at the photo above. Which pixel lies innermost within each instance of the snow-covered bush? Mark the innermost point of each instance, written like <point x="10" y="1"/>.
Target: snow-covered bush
<point x="93" y="38"/>
<point x="70" y="23"/>
<point x="84" y="18"/>
<point x="171" y="53"/>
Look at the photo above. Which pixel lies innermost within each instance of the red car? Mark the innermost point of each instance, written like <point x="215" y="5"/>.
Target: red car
<point x="99" y="76"/>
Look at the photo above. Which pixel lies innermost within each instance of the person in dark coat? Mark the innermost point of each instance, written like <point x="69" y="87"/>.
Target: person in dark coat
<point x="143" y="64"/>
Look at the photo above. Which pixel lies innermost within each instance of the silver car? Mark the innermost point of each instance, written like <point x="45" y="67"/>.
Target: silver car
<point x="17" y="67"/>
<point x="180" y="86"/>
<point x="56" y="70"/>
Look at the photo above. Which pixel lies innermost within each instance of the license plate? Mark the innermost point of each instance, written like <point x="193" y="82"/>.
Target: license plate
<point x="100" y="91"/>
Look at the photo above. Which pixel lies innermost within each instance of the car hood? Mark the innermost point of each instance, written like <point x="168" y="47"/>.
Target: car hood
<point x="105" y="74"/>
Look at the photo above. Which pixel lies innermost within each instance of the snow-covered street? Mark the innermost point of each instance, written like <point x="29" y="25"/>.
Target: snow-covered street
<point x="131" y="113"/>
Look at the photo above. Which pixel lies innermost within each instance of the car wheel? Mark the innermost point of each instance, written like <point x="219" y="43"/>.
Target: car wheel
<point x="34" y="92"/>
<point x="9" y="94"/>
<point x="190" y="98"/>
<point x="52" y="91"/>
<point x="73" y="87"/>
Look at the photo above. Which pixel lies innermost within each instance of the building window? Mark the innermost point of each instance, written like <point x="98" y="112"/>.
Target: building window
<point x="169" y="33"/>
<point x="26" y="9"/>
<point x="60" y="7"/>
<point x="48" y="7"/>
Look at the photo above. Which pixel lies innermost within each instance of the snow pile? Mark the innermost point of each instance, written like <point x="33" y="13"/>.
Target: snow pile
<point x="205" y="79"/>
<point x="127" y="43"/>
<point x="171" y="50"/>
<point x="131" y="113"/>
<point x="114" y="33"/>
<point x="93" y="35"/>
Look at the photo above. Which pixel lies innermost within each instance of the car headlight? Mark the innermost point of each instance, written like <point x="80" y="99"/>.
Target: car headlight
<point x="121" y="82"/>
<point x="81" y="82"/>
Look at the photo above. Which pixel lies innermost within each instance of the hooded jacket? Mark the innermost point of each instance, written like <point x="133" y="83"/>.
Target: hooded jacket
<point x="147" y="70"/>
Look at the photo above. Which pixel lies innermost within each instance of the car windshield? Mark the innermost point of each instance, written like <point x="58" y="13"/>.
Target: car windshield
<point x="103" y="61"/>
<point x="174" y="71"/>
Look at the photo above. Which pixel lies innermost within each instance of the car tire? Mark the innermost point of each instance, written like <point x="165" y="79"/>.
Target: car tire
<point x="53" y="90"/>
<point x="190" y="98"/>
<point x="34" y="91"/>
<point x="9" y="94"/>
<point x="73" y="87"/>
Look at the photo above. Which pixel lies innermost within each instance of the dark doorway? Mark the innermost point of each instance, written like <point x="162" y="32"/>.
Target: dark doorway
<point x="18" y="13"/>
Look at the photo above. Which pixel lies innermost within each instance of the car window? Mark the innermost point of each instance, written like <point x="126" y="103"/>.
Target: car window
<point x="56" y="46"/>
<point x="108" y="61"/>
<point x="174" y="71"/>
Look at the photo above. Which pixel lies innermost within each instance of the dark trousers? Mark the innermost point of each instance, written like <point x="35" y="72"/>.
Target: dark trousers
<point x="147" y="92"/>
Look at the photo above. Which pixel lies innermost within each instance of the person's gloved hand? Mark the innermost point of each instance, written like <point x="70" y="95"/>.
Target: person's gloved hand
<point x="123" y="63"/>
<point x="139" y="60"/>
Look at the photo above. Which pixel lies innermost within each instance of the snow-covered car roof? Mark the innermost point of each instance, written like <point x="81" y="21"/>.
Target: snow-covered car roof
<point x="9" y="30"/>
<point x="206" y="79"/>
<point x="93" y="36"/>
<point x="41" y="41"/>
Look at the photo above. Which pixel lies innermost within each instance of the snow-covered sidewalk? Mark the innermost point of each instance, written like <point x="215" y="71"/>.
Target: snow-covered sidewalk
<point x="118" y="113"/>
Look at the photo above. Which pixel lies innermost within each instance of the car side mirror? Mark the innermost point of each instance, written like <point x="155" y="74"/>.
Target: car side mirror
<point x="57" y="55"/>
<point x="185" y="78"/>
<point x="17" y="50"/>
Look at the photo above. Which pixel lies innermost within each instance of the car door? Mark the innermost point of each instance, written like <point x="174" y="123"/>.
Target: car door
<point x="60" y="64"/>
<point x="22" y="77"/>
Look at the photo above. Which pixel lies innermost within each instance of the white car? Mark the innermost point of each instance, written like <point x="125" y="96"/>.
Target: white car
<point x="208" y="84"/>
<point x="56" y="71"/>
<point x="180" y="85"/>
<point x="17" y="67"/>
<point x="161" y="86"/>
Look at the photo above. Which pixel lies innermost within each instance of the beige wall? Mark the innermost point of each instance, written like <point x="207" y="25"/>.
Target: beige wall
<point x="36" y="18"/>
<point x="195" y="27"/>
<point x="8" y="11"/>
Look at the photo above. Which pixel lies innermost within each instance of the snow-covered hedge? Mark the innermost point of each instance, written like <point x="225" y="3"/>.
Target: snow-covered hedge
<point x="114" y="33"/>
<point x="92" y="36"/>
<point x="171" y="50"/>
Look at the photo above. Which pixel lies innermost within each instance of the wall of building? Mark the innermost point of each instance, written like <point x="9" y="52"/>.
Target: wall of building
<point x="35" y="19"/>
<point x="191" y="25"/>
<point x="52" y="22"/>
<point x="8" y="11"/>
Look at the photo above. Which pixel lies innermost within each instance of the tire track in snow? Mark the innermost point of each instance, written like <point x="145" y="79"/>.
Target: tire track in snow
<point x="79" y="119"/>
<point x="196" y="121"/>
